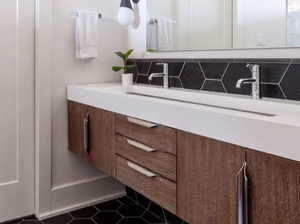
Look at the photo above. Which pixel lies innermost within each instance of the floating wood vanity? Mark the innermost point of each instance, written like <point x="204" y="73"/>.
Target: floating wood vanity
<point x="199" y="179"/>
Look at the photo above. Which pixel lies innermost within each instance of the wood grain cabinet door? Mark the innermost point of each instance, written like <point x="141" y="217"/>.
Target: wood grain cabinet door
<point x="206" y="181"/>
<point x="274" y="189"/>
<point x="77" y="114"/>
<point x="101" y="139"/>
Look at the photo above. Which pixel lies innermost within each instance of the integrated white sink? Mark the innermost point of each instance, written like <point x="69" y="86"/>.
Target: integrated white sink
<point x="219" y="101"/>
<point x="263" y="125"/>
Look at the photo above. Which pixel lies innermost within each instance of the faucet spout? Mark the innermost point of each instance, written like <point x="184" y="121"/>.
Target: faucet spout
<point x="242" y="82"/>
<point x="254" y="81"/>
<point x="155" y="75"/>
<point x="164" y="75"/>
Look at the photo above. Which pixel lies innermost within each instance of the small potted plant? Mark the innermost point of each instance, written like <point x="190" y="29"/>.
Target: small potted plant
<point x="127" y="78"/>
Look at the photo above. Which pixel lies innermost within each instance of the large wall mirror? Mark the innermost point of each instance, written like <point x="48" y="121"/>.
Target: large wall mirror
<point x="180" y="25"/>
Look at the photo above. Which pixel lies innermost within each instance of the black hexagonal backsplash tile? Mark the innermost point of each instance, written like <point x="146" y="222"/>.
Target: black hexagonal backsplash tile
<point x="272" y="91"/>
<point x="291" y="82"/>
<point x="214" y="70"/>
<point x="233" y="74"/>
<point x="213" y="85"/>
<point x="272" y="73"/>
<point x="279" y="78"/>
<point x="192" y="76"/>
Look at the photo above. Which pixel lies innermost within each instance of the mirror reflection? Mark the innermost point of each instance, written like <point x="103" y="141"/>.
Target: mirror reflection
<point x="178" y="25"/>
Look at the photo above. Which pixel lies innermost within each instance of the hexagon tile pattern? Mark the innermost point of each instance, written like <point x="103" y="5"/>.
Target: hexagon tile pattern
<point x="280" y="78"/>
<point x="131" y="209"/>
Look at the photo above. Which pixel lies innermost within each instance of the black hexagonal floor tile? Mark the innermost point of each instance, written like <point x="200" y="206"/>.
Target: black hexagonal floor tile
<point x="150" y="218"/>
<point x="156" y="209"/>
<point x="290" y="83"/>
<point x="126" y="200"/>
<point x="214" y="70"/>
<point x="85" y="212"/>
<point x="192" y="76"/>
<point x="61" y="219"/>
<point x="132" y="221"/>
<point x="132" y="210"/>
<point x="109" y="206"/>
<point x="130" y="193"/>
<point x="235" y="72"/>
<point x="30" y="222"/>
<point x="82" y="221"/>
<point x="107" y="217"/>
<point x="142" y="200"/>
<point x="31" y="217"/>
<point x="172" y="219"/>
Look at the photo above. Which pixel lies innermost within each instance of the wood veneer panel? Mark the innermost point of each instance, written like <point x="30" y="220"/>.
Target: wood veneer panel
<point x="274" y="189"/>
<point x="206" y="180"/>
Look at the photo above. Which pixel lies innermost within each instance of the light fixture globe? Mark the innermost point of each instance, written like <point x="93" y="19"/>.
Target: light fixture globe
<point x="126" y="14"/>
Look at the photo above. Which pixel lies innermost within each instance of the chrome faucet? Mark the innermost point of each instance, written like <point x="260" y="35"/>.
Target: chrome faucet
<point x="254" y="81"/>
<point x="164" y="75"/>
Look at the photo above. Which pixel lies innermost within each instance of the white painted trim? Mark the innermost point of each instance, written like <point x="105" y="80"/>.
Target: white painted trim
<point x="60" y="211"/>
<point x="230" y="53"/>
<point x="76" y="183"/>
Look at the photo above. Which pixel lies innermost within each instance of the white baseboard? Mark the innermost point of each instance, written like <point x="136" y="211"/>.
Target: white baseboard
<point x="74" y="207"/>
<point x="77" y="195"/>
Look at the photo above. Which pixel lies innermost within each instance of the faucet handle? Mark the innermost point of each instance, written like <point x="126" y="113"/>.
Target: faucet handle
<point x="253" y="66"/>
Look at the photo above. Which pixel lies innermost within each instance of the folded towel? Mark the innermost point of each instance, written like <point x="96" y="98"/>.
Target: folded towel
<point x="86" y="34"/>
<point x="165" y="34"/>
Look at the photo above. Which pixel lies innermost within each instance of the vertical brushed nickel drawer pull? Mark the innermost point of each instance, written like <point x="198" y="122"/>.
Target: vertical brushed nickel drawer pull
<point x="141" y="170"/>
<point x="86" y="133"/>
<point x="140" y="146"/>
<point x="141" y="122"/>
<point x="242" y="195"/>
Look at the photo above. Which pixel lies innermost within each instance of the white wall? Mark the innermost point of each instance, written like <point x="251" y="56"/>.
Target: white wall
<point x="66" y="182"/>
<point x="69" y="70"/>
<point x="137" y="41"/>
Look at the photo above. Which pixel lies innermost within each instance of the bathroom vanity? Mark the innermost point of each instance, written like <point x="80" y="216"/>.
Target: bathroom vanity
<point x="206" y="165"/>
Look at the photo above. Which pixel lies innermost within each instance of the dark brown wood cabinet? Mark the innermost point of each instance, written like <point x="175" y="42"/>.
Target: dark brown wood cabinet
<point x="192" y="176"/>
<point x="206" y="179"/>
<point x="91" y="135"/>
<point x="76" y="115"/>
<point x="274" y="189"/>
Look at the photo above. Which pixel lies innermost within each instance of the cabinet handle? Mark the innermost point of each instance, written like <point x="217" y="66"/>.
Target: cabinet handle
<point x="86" y="133"/>
<point x="141" y="123"/>
<point x="140" y="146"/>
<point x="242" y="195"/>
<point x="141" y="170"/>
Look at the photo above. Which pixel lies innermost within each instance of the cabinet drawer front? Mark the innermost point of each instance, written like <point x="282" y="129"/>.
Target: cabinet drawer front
<point x="160" y="162"/>
<point x="156" y="136"/>
<point x="156" y="188"/>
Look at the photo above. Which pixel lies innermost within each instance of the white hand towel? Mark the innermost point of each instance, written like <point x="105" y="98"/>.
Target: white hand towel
<point x="86" y="34"/>
<point x="165" y="34"/>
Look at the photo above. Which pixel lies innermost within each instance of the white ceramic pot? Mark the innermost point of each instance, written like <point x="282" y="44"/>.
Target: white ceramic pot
<point x="127" y="81"/>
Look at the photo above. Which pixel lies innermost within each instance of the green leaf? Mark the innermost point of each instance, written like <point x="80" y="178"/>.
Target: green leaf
<point x="120" y="54"/>
<point x="117" y="68"/>
<point x="127" y="54"/>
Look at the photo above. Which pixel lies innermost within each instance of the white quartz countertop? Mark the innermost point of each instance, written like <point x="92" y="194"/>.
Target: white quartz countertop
<point x="277" y="135"/>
